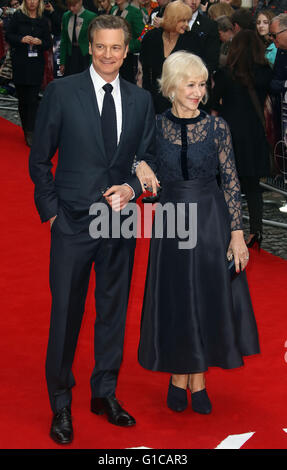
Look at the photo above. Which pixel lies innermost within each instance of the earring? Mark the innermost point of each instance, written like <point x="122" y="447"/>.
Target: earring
<point x="205" y="98"/>
<point x="172" y="97"/>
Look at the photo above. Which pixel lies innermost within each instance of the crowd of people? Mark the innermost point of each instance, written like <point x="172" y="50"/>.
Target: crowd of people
<point x="199" y="91"/>
<point x="206" y="29"/>
<point x="30" y="59"/>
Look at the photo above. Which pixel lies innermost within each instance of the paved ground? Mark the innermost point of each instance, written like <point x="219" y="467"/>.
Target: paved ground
<point x="274" y="237"/>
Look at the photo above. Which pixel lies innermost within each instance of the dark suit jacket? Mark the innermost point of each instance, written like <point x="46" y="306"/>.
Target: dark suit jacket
<point x="279" y="78"/>
<point x="206" y="32"/>
<point x="69" y="120"/>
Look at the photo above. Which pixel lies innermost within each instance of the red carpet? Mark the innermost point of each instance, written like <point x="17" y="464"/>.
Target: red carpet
<point x="251" y="399"/>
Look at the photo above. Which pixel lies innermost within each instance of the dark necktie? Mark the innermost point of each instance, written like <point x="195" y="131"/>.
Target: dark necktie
<point x="109" y="122"/>
<point x="74" y="37"/>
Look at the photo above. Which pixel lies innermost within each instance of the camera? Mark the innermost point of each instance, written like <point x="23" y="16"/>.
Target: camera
<point x="7" y="12"/>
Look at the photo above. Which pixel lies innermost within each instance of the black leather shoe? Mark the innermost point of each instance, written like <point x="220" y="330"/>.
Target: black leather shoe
<point x="115" y="413"/>
<point x="61" y="428"/>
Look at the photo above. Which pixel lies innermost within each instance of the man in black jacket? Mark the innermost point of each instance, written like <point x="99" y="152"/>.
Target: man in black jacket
<point x="95" y="158"/>
<point x="278" y="32"/>
<point x="206" y="31"/>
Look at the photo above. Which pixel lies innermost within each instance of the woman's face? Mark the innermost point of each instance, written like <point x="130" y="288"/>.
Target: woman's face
<point x="181" y="26"/>
<point x="32" y="5"/>
<point x="189" y="94"/>
<point x="262" y="25"/>
<point x="104" y="4"/>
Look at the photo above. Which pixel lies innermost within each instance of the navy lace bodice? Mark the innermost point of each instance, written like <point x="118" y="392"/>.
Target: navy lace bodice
<point x="197" y="148"/>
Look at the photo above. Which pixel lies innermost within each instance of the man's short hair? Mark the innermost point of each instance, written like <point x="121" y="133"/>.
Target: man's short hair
<point x="282" y="20"/>
<point x="109" y="22"/>
<point x="224" y="24"/>
<point x="244" y="18"/>
<point x="71" y="3"/>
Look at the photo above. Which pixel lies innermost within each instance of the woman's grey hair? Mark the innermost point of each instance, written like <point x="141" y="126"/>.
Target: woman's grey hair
<point x="282" y="20"/>
<point x="179" y="66"/>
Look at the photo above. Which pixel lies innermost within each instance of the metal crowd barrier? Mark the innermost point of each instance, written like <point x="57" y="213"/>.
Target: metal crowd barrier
<point x="8" y="100"/>
<point x="278" y="183"/>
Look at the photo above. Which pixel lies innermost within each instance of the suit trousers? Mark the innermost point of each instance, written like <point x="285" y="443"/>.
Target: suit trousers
<point x="28" y="105"/>
<point x="72" y="256"/>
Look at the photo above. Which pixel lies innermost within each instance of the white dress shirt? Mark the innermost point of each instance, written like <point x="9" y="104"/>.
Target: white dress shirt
<point x="98" y="83"/>
<point x="193" y="18"/>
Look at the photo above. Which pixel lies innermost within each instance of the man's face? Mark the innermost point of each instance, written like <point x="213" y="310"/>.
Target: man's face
<point x="193" y="4"/>
<point x="144" y="3"/>
<point x="280" y="40"/>
<point x="14" y="4"/>
<point x="76" y="8"/>
<point x="108" y="51"/>
<point x="120" y="3"/>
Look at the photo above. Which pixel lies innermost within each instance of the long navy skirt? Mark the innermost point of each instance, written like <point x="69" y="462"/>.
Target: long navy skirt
<point x="194" y="316"/>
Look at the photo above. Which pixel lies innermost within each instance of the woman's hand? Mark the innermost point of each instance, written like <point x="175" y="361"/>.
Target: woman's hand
<point x="27" y="39"/>
<point x="31" y="40"/>
<point x="147" y="177"/>
<point x="36" y="41"/>
<point x="238" y="249"/>
<point x="157" y="22"/>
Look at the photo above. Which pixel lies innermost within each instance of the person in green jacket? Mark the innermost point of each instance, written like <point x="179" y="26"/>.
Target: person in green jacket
<point x="134" y="17"/>
<point x="74" y="47"/>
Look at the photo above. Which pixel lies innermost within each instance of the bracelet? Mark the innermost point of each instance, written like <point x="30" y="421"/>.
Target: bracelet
<point x="135" y="165"/>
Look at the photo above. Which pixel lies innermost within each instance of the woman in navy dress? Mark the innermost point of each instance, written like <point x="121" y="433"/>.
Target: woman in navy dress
<point x="194" y="314"/>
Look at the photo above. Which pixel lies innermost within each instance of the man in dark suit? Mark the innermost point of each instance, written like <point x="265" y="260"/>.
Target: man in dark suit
<point x="205" y="30"/>
<point x="91" y="169"/>
<point x="278" y="32"/>
<point x="278" y="86"/>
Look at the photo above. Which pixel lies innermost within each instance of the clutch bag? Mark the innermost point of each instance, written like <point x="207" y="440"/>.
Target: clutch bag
<point x="232" y="269"/>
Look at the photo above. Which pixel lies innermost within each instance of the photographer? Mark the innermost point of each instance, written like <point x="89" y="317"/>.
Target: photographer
<point x="54" y="17"/>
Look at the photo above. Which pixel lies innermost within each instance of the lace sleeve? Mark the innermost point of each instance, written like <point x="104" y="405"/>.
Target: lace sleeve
<point x="228" y="174"/>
